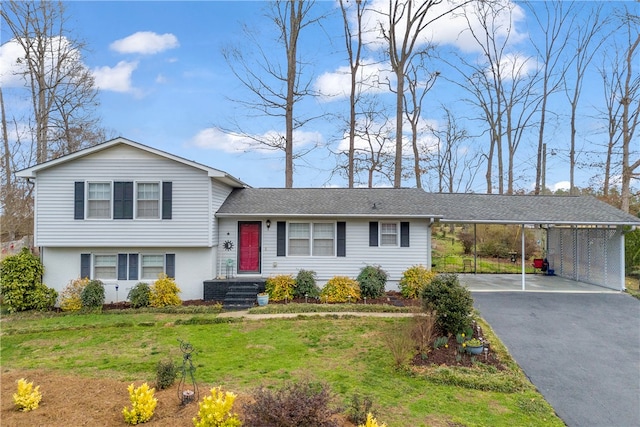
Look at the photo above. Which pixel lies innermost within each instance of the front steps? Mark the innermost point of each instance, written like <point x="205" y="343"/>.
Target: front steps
<point x="240" y="296"/>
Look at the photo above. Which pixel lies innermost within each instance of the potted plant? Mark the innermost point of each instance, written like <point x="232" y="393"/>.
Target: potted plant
<point x="473" y="346"/>
<point x="263" y="298"/>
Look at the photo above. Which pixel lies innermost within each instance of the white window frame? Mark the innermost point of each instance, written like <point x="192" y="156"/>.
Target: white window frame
<point x="141" y="266"/>
<point x="311" y="239"/>
<point x="138" y="200"/>
<point x="95" y="266"/>
<point x="89" y="200"/>
<point x="382" y="241"/>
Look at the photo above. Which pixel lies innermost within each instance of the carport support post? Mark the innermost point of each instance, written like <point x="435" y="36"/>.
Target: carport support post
<point x="523" y="256"/>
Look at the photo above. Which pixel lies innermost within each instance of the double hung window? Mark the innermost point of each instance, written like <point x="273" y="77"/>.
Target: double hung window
<point x="99" y="200"/>
<point x="148" y="200"/>
<point x="315" y="239"/>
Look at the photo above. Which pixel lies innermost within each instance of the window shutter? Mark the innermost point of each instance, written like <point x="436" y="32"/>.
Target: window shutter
<point x="78" y="200"/>
<point x="342" y="239"/>
<point x="123" y="200"/>
<point x="373" y="233"/>
<point x="404" y="234"/>
<point x="170" y="265"/>
<point x="167" y="199"/>
<point x="85" y="266"/>
<point x="133" y="266"/>
<point x="282" y="239"/>
<point x="122" y="266"/>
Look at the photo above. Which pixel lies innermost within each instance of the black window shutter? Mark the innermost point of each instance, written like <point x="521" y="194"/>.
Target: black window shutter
<point x="167" y="199"/>
<point x="78" y="200"/>
<point x="373" y="233"/>
<point x="282" y="239"/>
<point x="133" y="266"/>
<point x="122" y="266"/>
<point x="342" y="239"/>
<point x="170" y="265"/>
<point x="123" y="200"/>
<point x="404" y="234"/>
<point x="85" y="266"/>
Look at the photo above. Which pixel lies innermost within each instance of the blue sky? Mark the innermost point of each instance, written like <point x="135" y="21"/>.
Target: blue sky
<point x="164" y="83"/>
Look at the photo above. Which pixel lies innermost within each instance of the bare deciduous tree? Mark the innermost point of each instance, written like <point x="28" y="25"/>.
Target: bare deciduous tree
<point x="405" y="24"/>
<point x="277" y="89"/>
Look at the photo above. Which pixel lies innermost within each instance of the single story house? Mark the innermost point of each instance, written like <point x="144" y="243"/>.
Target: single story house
<point x="124" y="212"/>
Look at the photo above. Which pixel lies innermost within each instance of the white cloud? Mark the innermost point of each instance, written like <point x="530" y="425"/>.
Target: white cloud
<point x="9" y="66"/>
<point x="561" y="185"/>
<point x="215" y="139"/>
<point x="337" y="84"/>
<point x="451" y="29"/>
<point x="145" y="43"/>
<point x="117" y="79"/>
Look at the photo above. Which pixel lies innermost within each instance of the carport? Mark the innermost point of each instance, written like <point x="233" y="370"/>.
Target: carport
<point x="584" y="236"/>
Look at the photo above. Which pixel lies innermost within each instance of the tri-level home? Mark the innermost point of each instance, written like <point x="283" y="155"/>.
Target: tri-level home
<point x="124" y="212"/>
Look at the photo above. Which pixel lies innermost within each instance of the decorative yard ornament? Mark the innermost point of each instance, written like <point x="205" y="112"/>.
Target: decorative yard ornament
<point x="187" y="389"/>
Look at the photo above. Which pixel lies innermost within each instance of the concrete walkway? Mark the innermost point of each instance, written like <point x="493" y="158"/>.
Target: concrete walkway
<point x="581" y="350"/>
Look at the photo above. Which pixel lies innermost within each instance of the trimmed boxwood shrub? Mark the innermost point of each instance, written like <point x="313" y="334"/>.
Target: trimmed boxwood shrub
<point x="414" y="279"/>
<point x="451" y="301"/>
<point x="306" y="285"/>
<point x="372" y="280"/>
<point x="280" y="287"/>
<point x="92" y="295"/>
<point x="140" y="295"/>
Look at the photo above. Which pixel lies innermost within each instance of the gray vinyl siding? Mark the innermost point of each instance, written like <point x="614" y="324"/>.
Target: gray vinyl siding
<point x="394" y="260"/>
<point x="192" y="212"/>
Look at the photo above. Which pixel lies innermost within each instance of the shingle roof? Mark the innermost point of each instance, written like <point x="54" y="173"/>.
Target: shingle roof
<point x="527" y="209"/>
<point x="361" y="202"/>
<point x="413" y="202"/>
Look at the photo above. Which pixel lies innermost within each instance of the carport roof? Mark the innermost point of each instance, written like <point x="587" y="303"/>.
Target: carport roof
<point x="526" y="209"/>
<point x="413" y="202"/>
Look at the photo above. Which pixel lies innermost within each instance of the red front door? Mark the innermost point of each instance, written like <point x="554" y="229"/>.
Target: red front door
<point x="249" y="247"/>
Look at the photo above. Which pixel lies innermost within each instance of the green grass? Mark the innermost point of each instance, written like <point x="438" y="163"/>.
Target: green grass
<point x="346" y="352"/>
<point x="329" y="308"/>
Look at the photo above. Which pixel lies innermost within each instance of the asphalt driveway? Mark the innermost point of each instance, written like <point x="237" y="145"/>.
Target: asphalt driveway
<point x="582" y="351"/>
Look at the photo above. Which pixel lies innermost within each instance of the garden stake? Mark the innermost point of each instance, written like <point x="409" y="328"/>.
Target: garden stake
<point x="187" y="393"/>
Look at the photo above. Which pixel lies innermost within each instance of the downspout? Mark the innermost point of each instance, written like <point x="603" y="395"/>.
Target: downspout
<point x="475" y="248"/>
<point x="523" y="258"/>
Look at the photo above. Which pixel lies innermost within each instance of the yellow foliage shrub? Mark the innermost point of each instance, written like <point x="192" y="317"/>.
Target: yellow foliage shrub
<point x="27" y="398"/>
<point x="70" y="298"/>
<point x="280" y="287"/>
<point x="339" y="289"/>
<point x="164" y="292"/>
<point x="143" y="403"/>
<point x="372" y="422"/>
<point x="215" y="410"/>
<point x="414" y="279"/>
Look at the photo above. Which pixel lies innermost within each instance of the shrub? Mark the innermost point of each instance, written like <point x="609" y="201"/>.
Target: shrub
<point x="422" y="332"/>
<point x="414" y="279"/>
<point x="401" y="346"/>
<point x="166" y="373"/>
<point x="280" y="287"/>
<point x="372" y="280"/>
<point x="21" y="284"/>
<point x="143" y="403"/>
<point x="372" y="422"/>
<point x="27" y="398"/>
<point x="341" y="289"/>
<point x="70" y="299"/>
<point x="306" y="284"/>
<point x="164" y="292"/>
<point x="92" y="296"/>
<point x="451" y="301"/>
<point x="296" y="404"/>
<point x="140" y="295"/>
<point x="215" y="410"/>
<point x="358" y="409"/>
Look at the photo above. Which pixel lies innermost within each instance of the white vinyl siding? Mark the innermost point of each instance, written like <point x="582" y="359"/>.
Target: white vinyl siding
<point x="99" y="200"/>
<point x="148" y="200"/>
<point x="388" y="234"/>
<point x="151" y="266"/>
<point x="105" y="267"/>
<point x="195" y="199"/>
